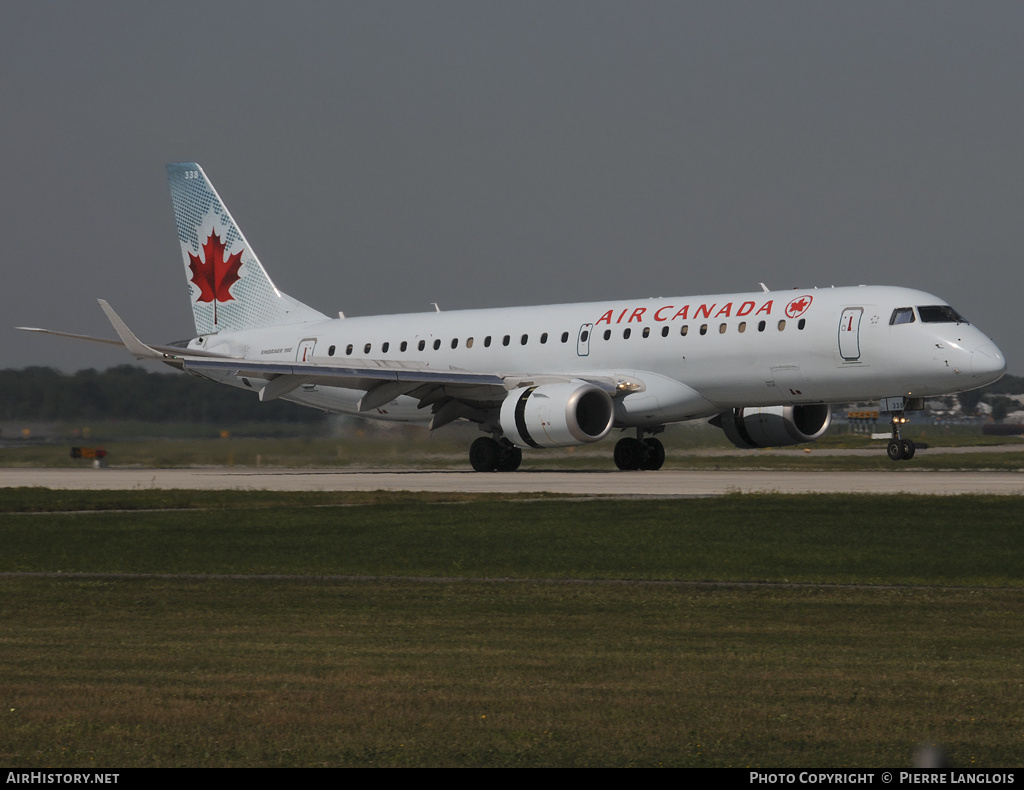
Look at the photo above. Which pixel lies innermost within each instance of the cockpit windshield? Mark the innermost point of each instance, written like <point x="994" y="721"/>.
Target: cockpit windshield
<point x="902" y="315"/>
<point x="940" y="314"/>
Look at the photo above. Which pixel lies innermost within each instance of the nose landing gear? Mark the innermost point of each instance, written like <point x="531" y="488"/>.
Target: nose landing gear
<point x="899" y="449"/>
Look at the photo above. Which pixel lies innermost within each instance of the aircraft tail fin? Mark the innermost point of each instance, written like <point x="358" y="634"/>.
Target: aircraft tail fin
<point x="229" y="288"/>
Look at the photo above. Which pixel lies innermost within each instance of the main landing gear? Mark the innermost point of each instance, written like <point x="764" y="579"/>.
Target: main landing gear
<point x="500" y="455"/>
<point x="494" y="455"/>
<point x="899" y="449"/>
<point x="639" y="453"/>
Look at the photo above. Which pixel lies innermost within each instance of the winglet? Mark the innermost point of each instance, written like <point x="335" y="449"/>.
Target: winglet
<point x="132" y="343"/>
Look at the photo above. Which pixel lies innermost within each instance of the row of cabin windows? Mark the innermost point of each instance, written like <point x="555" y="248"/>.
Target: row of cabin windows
<point x="684" y="330"/>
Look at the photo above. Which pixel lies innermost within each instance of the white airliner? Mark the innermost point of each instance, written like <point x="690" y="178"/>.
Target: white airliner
<point x="764" y="366"/>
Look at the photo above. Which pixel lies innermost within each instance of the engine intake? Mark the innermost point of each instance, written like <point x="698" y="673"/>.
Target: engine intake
<point x="557" y="415"/>
<point x="775" y="426"/>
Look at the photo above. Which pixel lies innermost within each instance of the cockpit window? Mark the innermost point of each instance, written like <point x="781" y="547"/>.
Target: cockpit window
<point x="940" y="314"/>
<point x="902" y="315"/>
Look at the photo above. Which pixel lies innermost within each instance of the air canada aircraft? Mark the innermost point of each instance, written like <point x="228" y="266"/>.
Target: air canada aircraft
<point x="762" y="366"/>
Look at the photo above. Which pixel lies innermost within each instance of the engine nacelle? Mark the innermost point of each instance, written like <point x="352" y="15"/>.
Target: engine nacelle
<point x="557" y="415"/>
<point x="775" y="426"/>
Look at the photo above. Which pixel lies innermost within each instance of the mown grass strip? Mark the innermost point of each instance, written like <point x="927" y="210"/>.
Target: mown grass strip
<point x="45" y="500"/>
<point x="413" y="450"/>
<point x="171" y="673"/>
<point x="844" y="539"/>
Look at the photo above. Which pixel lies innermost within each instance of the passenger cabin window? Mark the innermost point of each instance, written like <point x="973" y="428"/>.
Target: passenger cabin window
<point x="902" y="315"/>
<point x="607" y="334"/>
<point x="626" y="333"/>
<point x="505" y="340"/>
<point x="565" y="337"/>
<point x="544" y="337"/>
<point x="404" y="346"/>
<point x="348" y="349"/>
<point x="523" y="339"/>
<point x="330" y="351"/>
<point x="940" y="314"/>
<point x="487" y="342"/>
<point x="437" y="344"/>
<point x="469" y="342"/>
<point x="366" y="349"/>
<point x="384" y="348"/>
<point x="455" y="342"/>
<point x="647" y="331"/>
<point x="664" y="331"/>
<point x="422" y="345"/>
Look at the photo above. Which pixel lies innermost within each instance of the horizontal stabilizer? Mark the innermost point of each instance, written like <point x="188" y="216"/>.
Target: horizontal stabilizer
<point x="90" y="338"/>
<point x="162" y="353"/>
<point x="132" y="343"/>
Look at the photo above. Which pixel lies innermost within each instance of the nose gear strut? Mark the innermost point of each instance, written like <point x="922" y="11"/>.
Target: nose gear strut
<point x="899" y="449"/>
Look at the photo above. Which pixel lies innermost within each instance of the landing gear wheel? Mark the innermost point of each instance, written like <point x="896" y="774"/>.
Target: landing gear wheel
<point x="509" y="458"/>
<point x="907" y="449"/>
<point x="895" y="450"/>
<point x="484" y="454"/>
<point x="654" y="458"/>
<point x="629" y="454"/>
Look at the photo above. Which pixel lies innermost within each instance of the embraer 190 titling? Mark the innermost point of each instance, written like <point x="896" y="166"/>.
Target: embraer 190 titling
<point x="763" y="366"/>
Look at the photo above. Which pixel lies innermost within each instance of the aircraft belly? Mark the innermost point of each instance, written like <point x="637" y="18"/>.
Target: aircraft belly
<point x="662" y="400"/>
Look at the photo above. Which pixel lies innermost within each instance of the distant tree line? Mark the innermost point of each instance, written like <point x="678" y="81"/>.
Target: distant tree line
<point x="127" y="392"/>
<point x="1007" y="385"/>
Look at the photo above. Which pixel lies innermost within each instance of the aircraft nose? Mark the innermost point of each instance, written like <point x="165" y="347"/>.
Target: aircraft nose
<point x="987" y="362"/>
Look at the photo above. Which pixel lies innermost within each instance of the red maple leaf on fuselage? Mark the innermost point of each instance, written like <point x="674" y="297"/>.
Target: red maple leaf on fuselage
<point x="216" y="274"/>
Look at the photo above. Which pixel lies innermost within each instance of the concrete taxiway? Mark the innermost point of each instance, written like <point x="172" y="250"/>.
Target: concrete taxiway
<point x="665" y="483"/>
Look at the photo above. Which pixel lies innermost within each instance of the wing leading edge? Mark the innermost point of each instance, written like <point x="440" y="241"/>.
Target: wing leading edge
<point x="450" y="394"/>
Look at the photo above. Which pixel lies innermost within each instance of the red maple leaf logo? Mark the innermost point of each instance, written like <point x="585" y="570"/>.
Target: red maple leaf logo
<point x="798" y="305"/>
<point x="216" y="274"/>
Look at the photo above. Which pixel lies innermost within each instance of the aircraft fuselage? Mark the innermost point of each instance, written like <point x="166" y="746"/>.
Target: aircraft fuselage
<point x="697" y="356"/>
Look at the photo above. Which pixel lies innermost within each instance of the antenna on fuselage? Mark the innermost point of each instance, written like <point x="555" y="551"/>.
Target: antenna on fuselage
<point x="763" y="287"/>
<point x="436" y="308"/>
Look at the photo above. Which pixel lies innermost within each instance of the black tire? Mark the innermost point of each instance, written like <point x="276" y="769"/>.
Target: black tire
<point x="509" y="458"/>
<point x="654" y="459"/>
<point x="629" y="454"/>
<point x="907" y="449"/>
<point x="483" y="454"/>
<point x="895" y="450"/>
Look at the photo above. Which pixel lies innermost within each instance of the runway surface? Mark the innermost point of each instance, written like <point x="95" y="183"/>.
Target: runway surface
<point x="658" y="484"/>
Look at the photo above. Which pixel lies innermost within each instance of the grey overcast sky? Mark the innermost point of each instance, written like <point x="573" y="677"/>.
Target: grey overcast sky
<point x="382" y="155"/>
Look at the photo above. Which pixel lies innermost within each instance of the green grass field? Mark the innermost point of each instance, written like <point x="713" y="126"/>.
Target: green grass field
<point x="390" y="629"/>
<point x="688" y="446"/>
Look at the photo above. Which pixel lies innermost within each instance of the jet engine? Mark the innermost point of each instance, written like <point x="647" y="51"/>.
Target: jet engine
<point x="775" y="426"/>
<point x="556" y="415"/>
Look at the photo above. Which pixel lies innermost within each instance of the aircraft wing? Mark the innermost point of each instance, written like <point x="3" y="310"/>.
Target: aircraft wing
<point x="450" y="393"/>
<point x="382" y="380"/>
